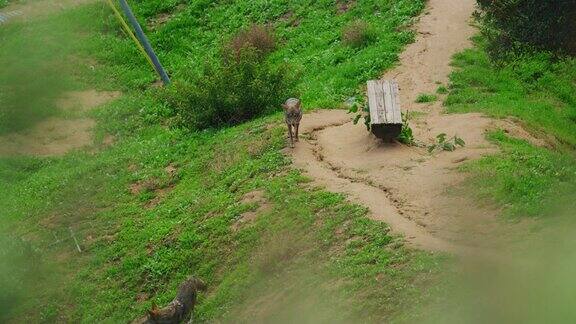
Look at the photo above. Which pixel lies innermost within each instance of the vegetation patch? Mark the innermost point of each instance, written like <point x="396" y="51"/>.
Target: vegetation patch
<point x="442" y="90"/>
<point x="426" y="98"/>
<point x="136" y="248"/>
<point x="540" y="91"/>
<point x="327" y="73"/>
<point x="528" y="25"/>
<point x="358" y="34"/>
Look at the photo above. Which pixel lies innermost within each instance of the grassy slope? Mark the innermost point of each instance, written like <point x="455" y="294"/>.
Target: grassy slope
<point x="138" y="247"/>
<point x="32" y="64"/>
<point x="539" y="92"/>
<point x="309" y="33"/>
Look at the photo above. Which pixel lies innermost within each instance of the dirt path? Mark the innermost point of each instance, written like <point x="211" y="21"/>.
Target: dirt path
<point x="405" y="186"/>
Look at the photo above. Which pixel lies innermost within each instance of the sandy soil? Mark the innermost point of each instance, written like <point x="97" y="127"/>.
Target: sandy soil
<point x="57" y="136"/>
<point x="414" y="192"/>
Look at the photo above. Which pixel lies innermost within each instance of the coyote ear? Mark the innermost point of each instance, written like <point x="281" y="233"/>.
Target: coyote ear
<point x="284" y="106"/>
<point x="299" y="105"/>
<point x="154" y="312"/>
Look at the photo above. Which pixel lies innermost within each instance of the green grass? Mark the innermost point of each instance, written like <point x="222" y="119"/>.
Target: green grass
<point x="426" y="98"/>
<point x="442" y="90"/>
<point x="132" y="249"/>
<point x="34" y="73"/>
<point x="541" y="93"/>
<point x="309" y="33"/>
<point x="138" y="246"/>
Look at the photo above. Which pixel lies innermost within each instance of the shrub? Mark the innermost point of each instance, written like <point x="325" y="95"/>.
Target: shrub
<point x="519" y="24"/>
<point x="230" y="93"/>
<point x="358" y="34"/>
<point x="260" y="38"/>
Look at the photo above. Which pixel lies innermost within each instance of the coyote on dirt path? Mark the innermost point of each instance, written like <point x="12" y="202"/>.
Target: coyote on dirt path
<point x="293" y="115"/>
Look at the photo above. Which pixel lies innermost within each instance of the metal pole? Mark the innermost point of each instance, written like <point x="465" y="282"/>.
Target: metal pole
<point x="144" y="40"/>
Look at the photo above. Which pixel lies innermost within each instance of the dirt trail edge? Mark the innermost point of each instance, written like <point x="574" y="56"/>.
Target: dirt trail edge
<point x="404" y="186"/>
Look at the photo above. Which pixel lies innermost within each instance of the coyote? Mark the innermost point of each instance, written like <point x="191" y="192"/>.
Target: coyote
<point x="293" y="114"/>
<point x="179" y="308"/>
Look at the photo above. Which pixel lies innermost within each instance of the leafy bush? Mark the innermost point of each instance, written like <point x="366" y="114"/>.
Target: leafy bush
<point x="542" y="25"/>
<point x="358" y="34"/>
<point x="230" y="93"/>
<point x="258" y="37"/>
<point x="242" y="86"/>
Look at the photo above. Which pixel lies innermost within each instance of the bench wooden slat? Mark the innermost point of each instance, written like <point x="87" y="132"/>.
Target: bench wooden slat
<point x="372" y="101"/>
<point x="388" y="106"/>
<point x="397" y="110"/>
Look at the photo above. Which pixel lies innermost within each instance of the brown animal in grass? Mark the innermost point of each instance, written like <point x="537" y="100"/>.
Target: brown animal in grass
<point x="179" y="308"/>
<point x="293" y="115"/>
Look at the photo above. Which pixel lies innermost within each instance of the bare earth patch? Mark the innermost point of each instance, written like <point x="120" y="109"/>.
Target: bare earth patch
<point x="254" y="197"/>
<point x="409" y="189"/>
<point x="57" y="136"/>
<point x="86" y="100"/>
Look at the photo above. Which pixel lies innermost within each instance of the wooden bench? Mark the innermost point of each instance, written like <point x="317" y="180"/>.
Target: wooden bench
<point x="385" y="113"/>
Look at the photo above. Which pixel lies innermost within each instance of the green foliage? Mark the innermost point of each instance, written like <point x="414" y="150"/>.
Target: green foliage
<point x="308" y="33"/>
<point x="542" y="25"/>
<point x="426" y="98"/>
<point x="358" y="34"/>
<point x="133" y="248"/>
<point x="32" y="77"/>
<point x="529" y="181"/>
<point x="18" y="276"/>
<point x="443" y="143"/>
<point x="238" y="90"/>
<point x="3" y="3"/>
<point x="406" y="135"/>
<point x="442" y="90"/>
<point x="361" y="111"/>
<point x="533" y="88"/>
<point x="540" y="92"/>
<point x="138" y="247"/>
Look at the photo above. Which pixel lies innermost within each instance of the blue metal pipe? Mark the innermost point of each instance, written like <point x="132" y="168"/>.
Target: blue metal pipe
<point x="144" y="41"/>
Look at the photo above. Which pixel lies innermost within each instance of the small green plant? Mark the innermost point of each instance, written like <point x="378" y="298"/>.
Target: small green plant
<point x="361" y="110"/>
<point x="426" y="97"/>
<point x="442" y="90"/>
<point x="406" y="135"/>
<point x="358" y="34"/>
<point x="443" y="143"/>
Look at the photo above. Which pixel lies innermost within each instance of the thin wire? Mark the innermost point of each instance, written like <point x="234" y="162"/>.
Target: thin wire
<point x="130" y="33"/>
